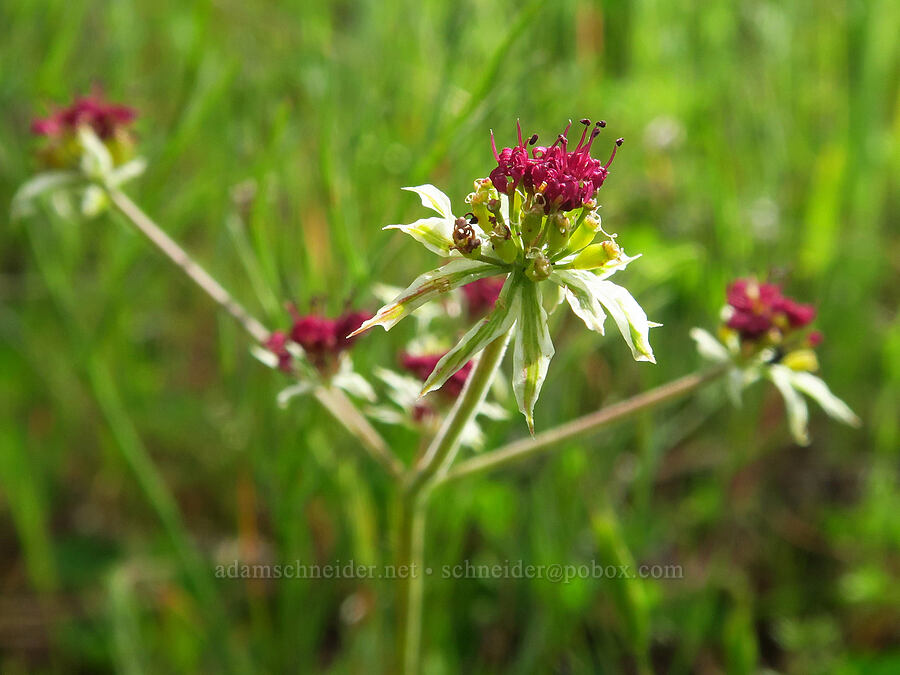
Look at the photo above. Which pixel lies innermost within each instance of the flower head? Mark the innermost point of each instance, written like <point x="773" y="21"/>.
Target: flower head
<point x="103" y="117"/>
<point x="560" y="179"/>
<point x="109" y="122"/>
<point x="322" y="339"/>
<point x="529" y="233"/>
<point x="763" y="338"/>
<point x="759" y="310"/>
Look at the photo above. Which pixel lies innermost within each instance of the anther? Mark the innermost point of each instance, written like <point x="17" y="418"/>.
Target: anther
<point x="533" y="139"/>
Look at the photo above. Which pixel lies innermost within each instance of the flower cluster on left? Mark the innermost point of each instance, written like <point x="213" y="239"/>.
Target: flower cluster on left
<point x="88" y="145"/>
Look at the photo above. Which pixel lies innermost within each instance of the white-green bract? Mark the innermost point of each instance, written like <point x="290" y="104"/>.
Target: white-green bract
<point x="791" y="384"/>
<point x="523" y="305"/>
<point x="96" y="167"/>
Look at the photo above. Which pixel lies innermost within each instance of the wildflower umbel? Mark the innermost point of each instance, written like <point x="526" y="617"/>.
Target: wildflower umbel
<point x="765" y="334"/>
<point x="103" y="117"/>
<point x="109" y="122"/>
<point x="322" y="339"/>
<point x="759" y="310"/>
<point x="533" y="220"/>
<point x="561" y="179"/>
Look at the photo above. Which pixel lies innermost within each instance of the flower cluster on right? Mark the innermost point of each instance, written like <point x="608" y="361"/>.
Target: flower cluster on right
<point x="767" y="335"/>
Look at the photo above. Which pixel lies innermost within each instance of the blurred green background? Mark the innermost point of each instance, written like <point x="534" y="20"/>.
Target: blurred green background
<point x="761" y="137"/>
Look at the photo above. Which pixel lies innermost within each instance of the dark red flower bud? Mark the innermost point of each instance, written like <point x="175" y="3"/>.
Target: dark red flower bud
<point x="322" y="339"/>
<point x="798" y="315"/>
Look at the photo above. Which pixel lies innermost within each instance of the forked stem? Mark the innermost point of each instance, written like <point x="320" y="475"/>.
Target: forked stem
<point x="413" y="504"/>
<point x="529" y="447"/>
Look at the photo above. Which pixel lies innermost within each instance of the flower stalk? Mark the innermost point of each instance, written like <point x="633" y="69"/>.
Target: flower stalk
<point x="587" y="424"/>
<point x="188" y="265"/>
<point x="336" y="402"/>
<point x="413" y="503"/>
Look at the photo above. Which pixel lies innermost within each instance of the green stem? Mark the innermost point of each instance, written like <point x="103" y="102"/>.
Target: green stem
<point x="413" y="503"/>
<point x="188" y="265"/>
<point x="523" y="449"/>
<point x="443" y="448"/>
<point x="342" y="409"/>
<point x="410" y="548"/>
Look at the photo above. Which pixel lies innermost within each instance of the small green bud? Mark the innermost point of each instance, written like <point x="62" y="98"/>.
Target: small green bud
<point x="596" y="255"/>
<point x="504" y="246"/>
<point x="584" y="234"/>
<point x="580" y="238"/>
<point x="801" y="360"/>
<point x="532" y="220"/>
<point x="558" y="226"/>
<point x="539" y="268"/>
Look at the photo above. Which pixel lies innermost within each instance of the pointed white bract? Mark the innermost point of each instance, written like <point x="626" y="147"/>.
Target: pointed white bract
<point x="532" y="353"/>
<point x="427" y="287"/>
<point x="581" y="298"/>
<point x="818" y="391"/>
<point x="708" y="347"/>
<point x="433" y="233"/>
<point x="433" y="199"/>
<point x="794" y="405"/>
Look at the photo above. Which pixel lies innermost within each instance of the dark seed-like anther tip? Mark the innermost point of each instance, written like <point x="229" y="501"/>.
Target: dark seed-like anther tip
<point x="619" y="142"/>
<point x="533" y="139"/>
<point x="601" y="124"/>
<point x="585" y="121"/>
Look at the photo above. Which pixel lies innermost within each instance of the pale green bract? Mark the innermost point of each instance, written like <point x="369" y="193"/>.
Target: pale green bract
<point x="524" y="303"/>
<point x="590" y="294"/>
<point x="429" y="286"/>
<point x="532" y="353"/>
<point x="791" y="384"/>
<point x="96" y="173"/>
<point x="488" y="329"/>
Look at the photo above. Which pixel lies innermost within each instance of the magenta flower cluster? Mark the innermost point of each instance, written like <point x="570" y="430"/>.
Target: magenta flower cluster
<point x="564" y="179"/>
<point x="322" y="339"/>
<point x="758" y="309"/>
<point x="103" y="117"/>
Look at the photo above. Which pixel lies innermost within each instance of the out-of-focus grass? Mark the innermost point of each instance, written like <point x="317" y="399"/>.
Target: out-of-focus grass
<point x="760" y="137"/>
